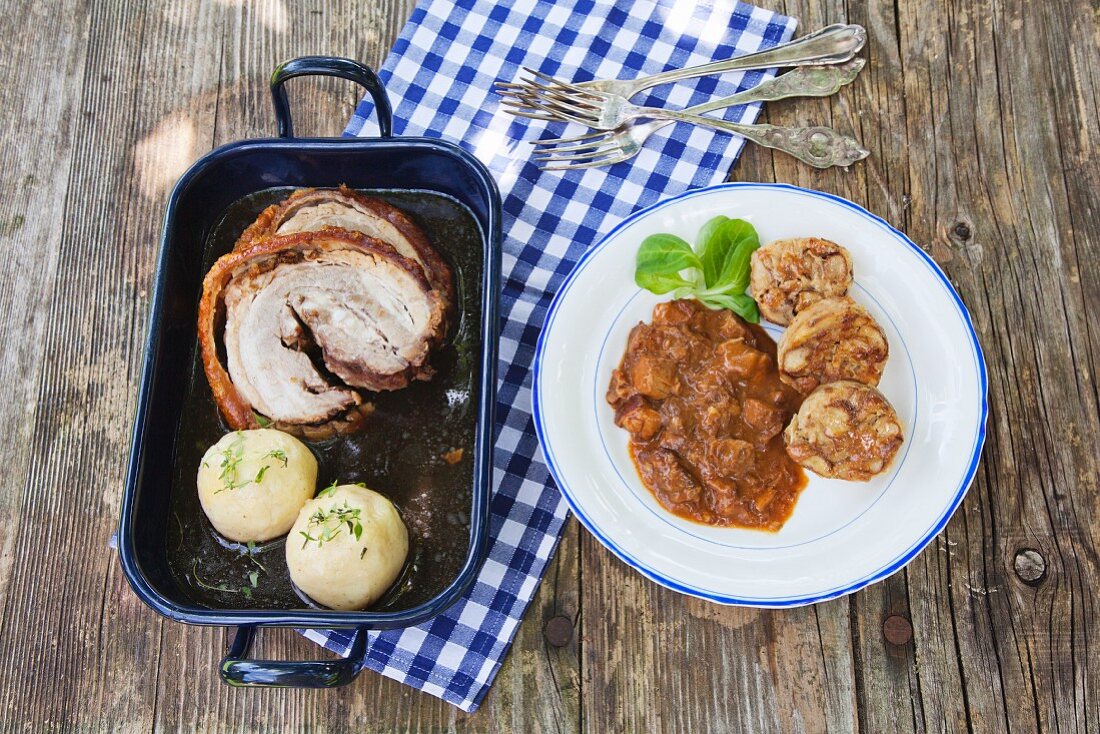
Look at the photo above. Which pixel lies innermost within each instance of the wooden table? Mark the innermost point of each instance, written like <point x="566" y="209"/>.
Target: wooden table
<point x="982" y="119"/>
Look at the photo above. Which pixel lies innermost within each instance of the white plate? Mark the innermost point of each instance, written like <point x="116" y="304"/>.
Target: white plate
<point x="842" y="535"/>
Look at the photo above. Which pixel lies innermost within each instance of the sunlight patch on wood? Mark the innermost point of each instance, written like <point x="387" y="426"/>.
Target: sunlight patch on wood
<point x="164" y="154"/>
<point x="271" y="14"/>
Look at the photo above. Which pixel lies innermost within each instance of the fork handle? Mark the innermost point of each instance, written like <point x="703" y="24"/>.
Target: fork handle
<point x="832" y="44"/>
<point x="808" y="81"/>
<point x="821" y="147"/>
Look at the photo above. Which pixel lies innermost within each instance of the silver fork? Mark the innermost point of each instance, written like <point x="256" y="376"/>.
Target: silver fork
<point x="833" y="44"/>
<point x="819" y="146"/>
<point x="607" y="111"/>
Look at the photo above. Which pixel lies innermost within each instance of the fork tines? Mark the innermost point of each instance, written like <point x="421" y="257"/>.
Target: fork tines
<point x="551" y="145"/>
<point x="547" y="81"/>
<point x="552" y="108"/>
<point x="540" y="96"/>
<point x="598" y="148"/>
<point x="540" y="90"/>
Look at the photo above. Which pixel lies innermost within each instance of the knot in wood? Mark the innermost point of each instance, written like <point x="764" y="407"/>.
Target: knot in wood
<point x="1030" y="566"/>
<point x="558" y="630"/>
<point x="961" y="230"/>
<point x="897" y="630"/>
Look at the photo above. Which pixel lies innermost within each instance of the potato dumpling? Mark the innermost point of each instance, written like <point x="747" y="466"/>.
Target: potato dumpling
<point x="347" y="547"/>
<point x="252" y="483"/>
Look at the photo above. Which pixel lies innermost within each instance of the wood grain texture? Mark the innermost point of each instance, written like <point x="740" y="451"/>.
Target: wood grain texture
<point x="982" y="119"/>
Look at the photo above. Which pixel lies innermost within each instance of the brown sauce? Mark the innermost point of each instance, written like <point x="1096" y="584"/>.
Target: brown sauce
<point x="406" y="451"/>
<point x="700" y="394"/>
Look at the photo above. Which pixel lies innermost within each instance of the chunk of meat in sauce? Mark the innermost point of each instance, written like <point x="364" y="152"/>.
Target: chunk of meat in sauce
<point x="662" y="466"/>
<point x="732" y="456"/>
<point x="700" y="394"/>
<point x="765" y="420"/>
<point x="654" y="377"/>
<point x="620" y="388"/>
<point x="740" y="360"/>
<point x="719" y="414"/>
<point x="673" y="313"/>
<point x="667" y="341"/>
<point x="638" y="418"/>
<point x="677" y="420"/>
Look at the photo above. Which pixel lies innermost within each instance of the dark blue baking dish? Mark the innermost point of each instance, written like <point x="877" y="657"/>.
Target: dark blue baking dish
<point x="207" y="189"/>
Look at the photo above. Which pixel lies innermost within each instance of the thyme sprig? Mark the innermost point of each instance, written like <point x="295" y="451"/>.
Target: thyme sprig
<point x="233" y="455"/>
<point x="325" y="525"/>
<point x="253" y="579"/>
<point x="250" y="552"/>
<point x="335" y="483"/>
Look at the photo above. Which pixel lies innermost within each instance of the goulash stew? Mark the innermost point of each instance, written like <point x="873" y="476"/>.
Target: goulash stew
<point x="699" y="392"/>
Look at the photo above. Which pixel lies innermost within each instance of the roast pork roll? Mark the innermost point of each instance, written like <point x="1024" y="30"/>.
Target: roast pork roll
<point x="310" y="320"/>
<point x="309" y="210"/>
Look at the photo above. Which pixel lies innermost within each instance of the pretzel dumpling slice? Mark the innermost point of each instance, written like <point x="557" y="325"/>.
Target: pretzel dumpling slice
<point x="844" y="430"/>
<point x="834" y="339"/>
<point x="790" y="275"/>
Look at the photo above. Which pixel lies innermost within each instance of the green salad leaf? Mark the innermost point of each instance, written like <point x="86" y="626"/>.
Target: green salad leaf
<point x="707" y="233"/>
<point x="660" y="260"/>
<point x="715" y="271"/>
<point x="741" y="304"/>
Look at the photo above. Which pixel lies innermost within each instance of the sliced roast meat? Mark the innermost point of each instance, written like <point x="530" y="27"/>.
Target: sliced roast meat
<point x="310" y="210"/>
<point x="373" y="325"/>
<point x="310" y="319"/>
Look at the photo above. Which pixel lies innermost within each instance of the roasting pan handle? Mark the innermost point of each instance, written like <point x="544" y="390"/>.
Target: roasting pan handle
<point x="236" y="671"/>
<point x="328" y="66"/>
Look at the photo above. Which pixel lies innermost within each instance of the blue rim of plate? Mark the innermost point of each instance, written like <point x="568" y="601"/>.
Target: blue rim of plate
<point x="889" y="569"/>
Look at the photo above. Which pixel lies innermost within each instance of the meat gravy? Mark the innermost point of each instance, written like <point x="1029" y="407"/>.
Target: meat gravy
<point x="700" y="395"/>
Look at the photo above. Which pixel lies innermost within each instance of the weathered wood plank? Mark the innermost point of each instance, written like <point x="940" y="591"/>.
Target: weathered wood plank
<point x="658" y="661"/>
<point x="982" y="121"/>
<point x="54" y="611"/>
<point x="538" y="688"/>
<point x="37" y="151"/>
<point x="1016" y="649"/>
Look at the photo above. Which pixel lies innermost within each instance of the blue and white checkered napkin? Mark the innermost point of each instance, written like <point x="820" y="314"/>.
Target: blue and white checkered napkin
<point x="439" y="77"/>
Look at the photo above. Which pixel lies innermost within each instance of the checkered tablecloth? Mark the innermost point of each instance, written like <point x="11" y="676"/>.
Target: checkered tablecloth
<point x="439" y="78"/>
